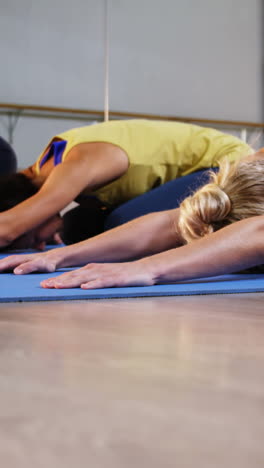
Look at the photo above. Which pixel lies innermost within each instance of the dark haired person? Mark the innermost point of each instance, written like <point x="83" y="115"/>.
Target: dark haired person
<point x="105" y="164"/>
<point x="8" y="159"/>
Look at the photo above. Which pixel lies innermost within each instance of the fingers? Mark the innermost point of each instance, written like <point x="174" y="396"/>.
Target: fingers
<point x="9" y="263"/>
<point x="94" y="276"/>
<point x="57" y="238"/>
<point x="24" y="264"/>
<point x="40" y="264"/>
<point x="88" y="277"/>
<point x="71" y="279"/>
<point x="25" y="268"/>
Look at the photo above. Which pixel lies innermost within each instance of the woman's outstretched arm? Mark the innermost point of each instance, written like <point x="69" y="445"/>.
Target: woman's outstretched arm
<point x="141" y="237"/>
<point x="236" y="247"/>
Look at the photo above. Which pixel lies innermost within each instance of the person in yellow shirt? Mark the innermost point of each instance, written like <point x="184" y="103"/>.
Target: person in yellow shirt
<point x="105" y="165"/>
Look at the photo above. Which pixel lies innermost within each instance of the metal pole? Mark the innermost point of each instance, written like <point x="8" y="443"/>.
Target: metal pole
<point x="106" y="61"/>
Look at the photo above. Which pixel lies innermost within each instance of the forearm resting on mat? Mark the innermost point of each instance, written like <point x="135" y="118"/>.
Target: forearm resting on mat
<point x="231" y="249"/>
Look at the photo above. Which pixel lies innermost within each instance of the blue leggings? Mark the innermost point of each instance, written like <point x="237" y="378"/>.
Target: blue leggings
<point x="165" y="197"/>
<point x="91" y="217"/>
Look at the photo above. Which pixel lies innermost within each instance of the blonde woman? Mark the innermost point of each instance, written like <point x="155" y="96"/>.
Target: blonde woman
<point x="219" y="229"/>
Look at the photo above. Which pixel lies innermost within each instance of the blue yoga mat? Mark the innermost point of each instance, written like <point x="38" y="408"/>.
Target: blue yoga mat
<point x="27" y="288"/>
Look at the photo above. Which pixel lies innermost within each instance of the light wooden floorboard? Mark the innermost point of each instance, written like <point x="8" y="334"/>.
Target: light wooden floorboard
<point x="152" y="382"/>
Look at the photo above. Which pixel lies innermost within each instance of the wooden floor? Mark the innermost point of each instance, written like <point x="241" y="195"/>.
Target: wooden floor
<point x="162" y="382"/>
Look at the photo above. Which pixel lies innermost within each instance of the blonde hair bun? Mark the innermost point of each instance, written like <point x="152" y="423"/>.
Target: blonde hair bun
<point x="234" y="193"/>
<point x="202" y="211"/>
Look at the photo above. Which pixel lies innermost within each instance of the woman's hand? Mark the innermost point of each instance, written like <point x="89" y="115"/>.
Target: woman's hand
<point x="29" y="263"/>
<point x="103" y="275"/>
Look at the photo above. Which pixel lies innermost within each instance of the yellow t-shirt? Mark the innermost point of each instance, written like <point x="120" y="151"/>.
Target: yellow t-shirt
<point x="158" y="151"/>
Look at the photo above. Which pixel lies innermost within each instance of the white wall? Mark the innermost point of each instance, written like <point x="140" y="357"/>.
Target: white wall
<point x="201" y="58"/>
<point x="191" y="57"/>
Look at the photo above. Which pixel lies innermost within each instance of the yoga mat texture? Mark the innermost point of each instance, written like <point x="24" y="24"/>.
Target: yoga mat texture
<point x="26" y="288"/>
